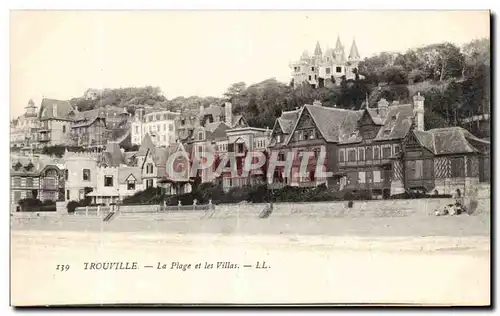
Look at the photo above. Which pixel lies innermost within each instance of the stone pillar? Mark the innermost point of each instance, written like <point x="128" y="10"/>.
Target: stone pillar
<point x="86" y="210"/>
<point x="179" y="205"/>
<point x="98" y="210"/>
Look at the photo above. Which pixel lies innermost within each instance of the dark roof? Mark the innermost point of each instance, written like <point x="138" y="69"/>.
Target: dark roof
<point x="55" y="109"/>
<point x="214" y="110"/>
<point x="450" y="140"/>
<point x="341" y="126"/>
<point x="397" y="122"/>
<point x="112" y="155"/>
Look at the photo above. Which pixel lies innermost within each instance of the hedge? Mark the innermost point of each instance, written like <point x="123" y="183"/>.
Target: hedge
<point x="35" y="205"/>
<point x="253" y="194"/>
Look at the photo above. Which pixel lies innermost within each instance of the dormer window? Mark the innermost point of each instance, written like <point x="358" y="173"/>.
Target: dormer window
<point x="387" y="132"/>
<point x="200" y="135"/>
<point x="17" y="166"/>
<point x="393" y="118"/>
<point x="29" y="167"/>
<point x="278" y="138"/>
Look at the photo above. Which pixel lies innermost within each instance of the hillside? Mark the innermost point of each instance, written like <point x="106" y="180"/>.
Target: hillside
<point x="454" y="80"/>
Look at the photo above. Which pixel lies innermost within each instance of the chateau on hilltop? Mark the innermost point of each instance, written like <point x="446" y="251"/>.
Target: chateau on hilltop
<point x="326" y="68"/>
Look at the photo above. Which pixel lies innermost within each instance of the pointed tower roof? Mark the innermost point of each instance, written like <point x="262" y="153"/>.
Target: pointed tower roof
<point x="317" y="50"/>
<point x="338" y="46"/>
<point x="31" y="103"/>
<point x="146" y="144"/>
<point x="354" y="54"/>
<point x="305" y="54"/>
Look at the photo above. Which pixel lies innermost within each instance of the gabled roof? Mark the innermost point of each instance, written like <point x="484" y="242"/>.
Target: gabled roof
<point x="62" y="109"/>
<point x="126" y="173"/>
<point x="397" y="122"/>
<point x="376" y="117"/>
<point x="112" y="156"/>
<point x="146" y="144"/>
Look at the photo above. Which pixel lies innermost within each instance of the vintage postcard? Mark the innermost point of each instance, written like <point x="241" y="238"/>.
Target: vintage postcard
<point x="250" y="158"/>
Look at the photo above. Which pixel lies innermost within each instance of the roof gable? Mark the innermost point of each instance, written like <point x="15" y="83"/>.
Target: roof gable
<point x="146" y="144"/>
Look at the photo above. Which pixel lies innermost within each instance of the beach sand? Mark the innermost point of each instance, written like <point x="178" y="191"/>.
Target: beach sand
<point x="435" y="261"/>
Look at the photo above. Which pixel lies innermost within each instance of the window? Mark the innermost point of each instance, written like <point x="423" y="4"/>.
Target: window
<point x="386" y="152"/>
<point x="131" y="185"/>
<point x="396" y="149"/>
<point x="200" y="135"/>
<point x="281" y="157"/>
<point x="17" y="182"/>
<point x="149" y="183"/>
<point x="81" y="194"/>
<point x="414" y="169"/>
<point x="315" y="77"/>
<point x="328" y="70"/>
<point x="368" y="153"/>
<point x="278" y="138"/>
<point x="312" y="68"/>
<point x="376" y="176"/>
<point x="66" y="174"/>
<point x="376" y="152"/>
<point x="339" y="69"/>
<point x="67" y="195"/>
<point x="457" y="167"/>
<point x="183" y="121"/>
<point x="108" y="181"/>
<point x="86" y="174"/>
<point x="149" y="168"/>
<point x="17" y="196"/>
<point x="295" y="69"/>
<point x="137" y="129"/>
<point x="200" y="149"/>
<point x="361" y="154"/>
<point x="164" y="127"/>
<point x="342" y="156"/>
<point x="310" y="77"/>
<point x="361" y="177"/>
<point x="240" y="148"/>
<point x="64" y="128"/>
<point x="171" y="127"/>
<point x="351" y="155"/>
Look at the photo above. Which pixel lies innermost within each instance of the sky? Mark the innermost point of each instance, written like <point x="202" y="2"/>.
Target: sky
<point x="60" y="54"/>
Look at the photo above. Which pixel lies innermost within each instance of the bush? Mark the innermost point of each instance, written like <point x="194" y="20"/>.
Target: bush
<point x="29" y="203"/>
<point x="72" y="205"/>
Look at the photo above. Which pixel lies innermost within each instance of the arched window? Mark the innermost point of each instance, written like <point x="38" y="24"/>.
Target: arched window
<point x="66" y="174"/>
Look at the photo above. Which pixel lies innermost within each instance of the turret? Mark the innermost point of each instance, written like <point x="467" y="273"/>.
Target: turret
<point x="339" y="50"/>
<point x="354" y="54"/>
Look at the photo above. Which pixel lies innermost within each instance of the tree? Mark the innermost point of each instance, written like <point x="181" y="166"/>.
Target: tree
<point x="234" y="90"/>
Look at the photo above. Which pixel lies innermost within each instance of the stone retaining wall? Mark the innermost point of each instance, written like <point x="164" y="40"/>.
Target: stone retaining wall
<point x="377" y="208"/>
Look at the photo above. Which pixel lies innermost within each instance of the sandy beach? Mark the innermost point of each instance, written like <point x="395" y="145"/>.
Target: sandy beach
<point x="437" y="261"/>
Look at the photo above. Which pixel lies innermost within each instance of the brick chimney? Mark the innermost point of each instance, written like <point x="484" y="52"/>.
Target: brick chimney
<point x="382" y="108"/>
<point x="418" y="111"/>
<point x="228" y="113"/>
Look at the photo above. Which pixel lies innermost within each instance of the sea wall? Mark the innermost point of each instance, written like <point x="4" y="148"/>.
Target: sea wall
<point x="376" y="208"/>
